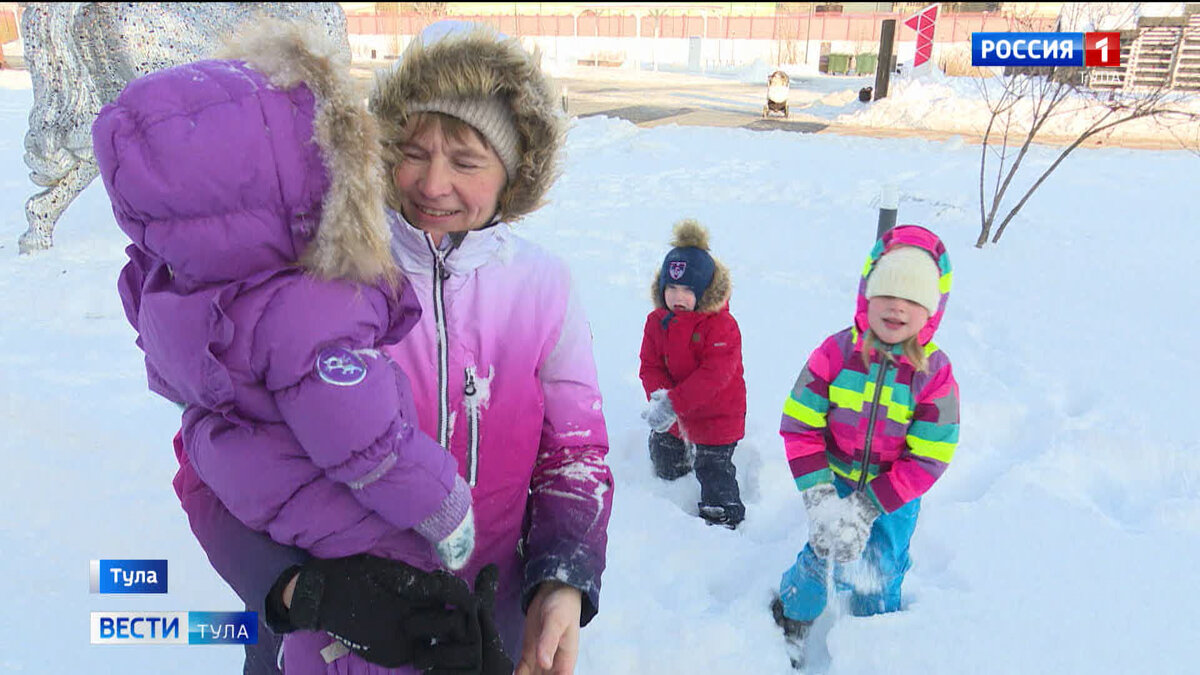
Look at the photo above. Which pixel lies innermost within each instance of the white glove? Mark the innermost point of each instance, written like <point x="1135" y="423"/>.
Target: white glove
<point x="658" y="413"/>
<point x="824" y="511"/>
<point x="858" y="515"/>
<point x="455" y="550"/>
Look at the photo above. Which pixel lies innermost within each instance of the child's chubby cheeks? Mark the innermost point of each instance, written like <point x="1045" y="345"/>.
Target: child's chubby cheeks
<point x="679" y="298"/>
<point x="895" y="320"/>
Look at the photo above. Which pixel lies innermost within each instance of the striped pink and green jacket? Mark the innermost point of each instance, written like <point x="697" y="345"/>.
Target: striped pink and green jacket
<point x="886" y="428"/>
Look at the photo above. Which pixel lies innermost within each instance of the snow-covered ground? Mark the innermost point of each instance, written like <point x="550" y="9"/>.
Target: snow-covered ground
<point x="1062" y="539"/>
<point x="935" y="101"/>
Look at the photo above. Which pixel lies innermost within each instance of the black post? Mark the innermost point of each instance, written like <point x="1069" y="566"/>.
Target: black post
<point x="889" y="203"/>
<point x="883" y="69"/>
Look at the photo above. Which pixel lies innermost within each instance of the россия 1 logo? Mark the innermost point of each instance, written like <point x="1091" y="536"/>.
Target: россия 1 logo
<point x="1046" y="49"/>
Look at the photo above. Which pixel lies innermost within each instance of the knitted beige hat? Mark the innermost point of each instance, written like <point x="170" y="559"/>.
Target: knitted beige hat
<point x="906" y="272"/>
<point x="491" y="116"/>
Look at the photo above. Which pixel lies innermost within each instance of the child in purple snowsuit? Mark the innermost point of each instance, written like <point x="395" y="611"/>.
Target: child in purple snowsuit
<point x="262" y="287"/>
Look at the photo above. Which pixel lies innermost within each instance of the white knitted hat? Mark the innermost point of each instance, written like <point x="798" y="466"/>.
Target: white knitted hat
<point x="491" y="116"/>
<point x="907" y="272"/>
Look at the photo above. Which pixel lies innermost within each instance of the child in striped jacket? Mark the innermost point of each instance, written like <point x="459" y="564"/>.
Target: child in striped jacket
<point x="870" y="424"/>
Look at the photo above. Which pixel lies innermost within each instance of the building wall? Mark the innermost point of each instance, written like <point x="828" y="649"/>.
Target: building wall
<point x="698" y="42"/>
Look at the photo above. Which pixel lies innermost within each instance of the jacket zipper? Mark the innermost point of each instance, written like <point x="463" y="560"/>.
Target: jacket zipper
<point x="883" y="367"/>
<point x="440" y="274"/>
<point x="470" y="393"/>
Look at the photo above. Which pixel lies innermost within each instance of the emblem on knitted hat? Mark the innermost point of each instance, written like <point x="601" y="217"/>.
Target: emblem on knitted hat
<point x="677" y="269"/>
<point x="340" y="366"/>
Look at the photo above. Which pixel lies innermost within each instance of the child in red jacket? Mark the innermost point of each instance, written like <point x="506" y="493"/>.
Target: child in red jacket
<point x="692" y="373"/>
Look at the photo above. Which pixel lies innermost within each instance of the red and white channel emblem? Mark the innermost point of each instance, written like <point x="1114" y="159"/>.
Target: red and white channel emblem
<point x="1102" y="49"/>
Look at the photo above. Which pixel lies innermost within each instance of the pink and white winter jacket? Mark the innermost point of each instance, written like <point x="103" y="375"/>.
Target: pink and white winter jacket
<point x="502" y="370"/>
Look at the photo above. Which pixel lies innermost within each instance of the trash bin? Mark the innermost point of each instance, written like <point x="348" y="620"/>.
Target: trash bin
<point x="839" y="64"/>
<point x="864" y="64"/>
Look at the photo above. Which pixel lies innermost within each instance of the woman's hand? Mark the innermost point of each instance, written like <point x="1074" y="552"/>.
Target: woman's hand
<point x="551" y="643"/>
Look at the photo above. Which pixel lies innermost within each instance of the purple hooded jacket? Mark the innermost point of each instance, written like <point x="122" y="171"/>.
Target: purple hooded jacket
<point x="261" y="285"/>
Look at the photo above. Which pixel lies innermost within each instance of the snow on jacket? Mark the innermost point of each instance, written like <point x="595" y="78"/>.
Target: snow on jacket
<point x="887" y="428"/>
<point x="262" y="288"/>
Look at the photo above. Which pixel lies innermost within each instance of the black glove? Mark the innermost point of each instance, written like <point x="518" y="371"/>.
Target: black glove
<point x="457" y="642"/>
<point x="495" y="661"/>
<point x="366" y="602"/>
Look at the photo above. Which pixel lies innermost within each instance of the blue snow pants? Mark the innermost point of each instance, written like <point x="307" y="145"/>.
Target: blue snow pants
<point x="873" y="581"/>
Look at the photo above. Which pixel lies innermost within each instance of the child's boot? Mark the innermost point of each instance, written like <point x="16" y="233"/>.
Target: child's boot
<point x="794" y="631"/>
<point x="670" y="456"/>
<point x="729" y="516"/>
<point x="720" y="499"/>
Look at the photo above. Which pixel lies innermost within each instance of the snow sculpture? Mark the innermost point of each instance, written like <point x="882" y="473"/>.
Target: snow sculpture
<point x="81" y="54"/>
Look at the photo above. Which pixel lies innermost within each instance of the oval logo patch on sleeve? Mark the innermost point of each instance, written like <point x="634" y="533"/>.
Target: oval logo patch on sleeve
<point x="340" y="366"/>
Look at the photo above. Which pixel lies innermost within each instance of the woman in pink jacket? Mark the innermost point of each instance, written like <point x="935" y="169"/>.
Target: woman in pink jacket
<point x="500" y="360"/>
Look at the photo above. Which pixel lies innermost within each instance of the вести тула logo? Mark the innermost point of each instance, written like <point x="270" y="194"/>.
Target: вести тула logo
<point x="156" y="627"/>
<point x="175" y="628"/>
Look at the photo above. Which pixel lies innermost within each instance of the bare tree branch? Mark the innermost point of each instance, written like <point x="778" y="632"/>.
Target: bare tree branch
<point x="1029" y="100"/>
<point x="1091" y="131"/>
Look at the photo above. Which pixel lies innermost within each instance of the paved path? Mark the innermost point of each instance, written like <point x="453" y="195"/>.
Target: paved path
<point x="650" y="100"/>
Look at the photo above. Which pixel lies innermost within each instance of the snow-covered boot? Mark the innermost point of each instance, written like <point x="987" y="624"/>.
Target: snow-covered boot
<point x="794" y="631"/>
<point x="725" y="516"/>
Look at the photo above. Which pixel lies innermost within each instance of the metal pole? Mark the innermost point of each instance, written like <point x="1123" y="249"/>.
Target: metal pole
<point x="883" y="69"/>
<point x="889" y="202"/>
<point x="807" y="33"/>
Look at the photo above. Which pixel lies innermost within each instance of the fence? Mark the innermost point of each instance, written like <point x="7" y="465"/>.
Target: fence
<point x="841" y="27"/>
<point x="629" y="37"/>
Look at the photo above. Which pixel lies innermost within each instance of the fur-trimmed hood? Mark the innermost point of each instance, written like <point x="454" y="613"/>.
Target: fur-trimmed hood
<point x="353" y="240"/>
<point x="478" y="64"/>
<point x="260" y="158"/>
<point x="691" y="234"/>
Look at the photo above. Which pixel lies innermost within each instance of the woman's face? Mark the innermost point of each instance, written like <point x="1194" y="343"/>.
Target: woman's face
<point x="448" y="184"/>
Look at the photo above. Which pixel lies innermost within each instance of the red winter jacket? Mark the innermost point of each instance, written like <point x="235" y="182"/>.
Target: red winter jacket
<point x="697" y="358"/>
